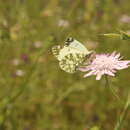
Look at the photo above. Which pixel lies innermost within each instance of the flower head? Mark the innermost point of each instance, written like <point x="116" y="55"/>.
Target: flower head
<point x="105" y="64"/>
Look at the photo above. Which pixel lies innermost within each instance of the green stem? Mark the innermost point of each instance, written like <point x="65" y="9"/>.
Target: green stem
<point x="111" y="88"/>
<point x="123" y="115"/>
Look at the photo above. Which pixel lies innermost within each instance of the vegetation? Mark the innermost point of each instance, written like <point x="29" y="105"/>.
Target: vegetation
<point x="35" y="94"/>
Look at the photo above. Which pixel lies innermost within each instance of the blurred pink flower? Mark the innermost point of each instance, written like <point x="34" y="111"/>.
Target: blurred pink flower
<point x="37" y="44"/>
<point x="16" y="62"/>
<point x="63" y="23"/>
<point x="18" y="73"/>
<point x="25" y="58"/>
<point x="124" y="19"/>
<point x="105" y="64"/>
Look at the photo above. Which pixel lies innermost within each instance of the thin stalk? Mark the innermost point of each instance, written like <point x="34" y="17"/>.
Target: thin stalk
<point x="123" y="115"/>
<point x="111" y="88"/>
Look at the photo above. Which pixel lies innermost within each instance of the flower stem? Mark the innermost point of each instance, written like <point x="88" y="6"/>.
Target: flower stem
<point x="123" y="115"/>
<point x="111" y="88"/>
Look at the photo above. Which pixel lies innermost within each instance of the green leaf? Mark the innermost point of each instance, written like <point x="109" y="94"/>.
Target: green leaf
<point x="112" y="35"/>
<point x="124" y="35"/>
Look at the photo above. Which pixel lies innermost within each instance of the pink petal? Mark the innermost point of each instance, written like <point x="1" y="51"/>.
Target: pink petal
<point x="117" y="55"/>
<point x="83" y="69"/>
<point x="113" y="53"/>
<point x="98" y="77"/>
<point x="110" y="73"/>
<point x="89" y="74"/>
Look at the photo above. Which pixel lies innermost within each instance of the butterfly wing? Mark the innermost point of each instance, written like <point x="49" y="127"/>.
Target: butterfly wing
<point x="68" y="51"/>
<point x="69" y="68"/>
<point x="79" y="46"/>
<point x="71" y="61"/>
<point x="64" y="56"/>
<point x="56" y="50"/>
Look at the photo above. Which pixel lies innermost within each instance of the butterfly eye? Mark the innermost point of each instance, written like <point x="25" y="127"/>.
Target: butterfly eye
<point x="69" y="40"/>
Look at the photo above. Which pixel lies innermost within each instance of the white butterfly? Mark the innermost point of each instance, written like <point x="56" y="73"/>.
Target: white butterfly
<point x="72" y="55"/>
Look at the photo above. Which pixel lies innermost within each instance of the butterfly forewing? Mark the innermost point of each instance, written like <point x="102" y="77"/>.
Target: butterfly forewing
<point x="78" y="46"/>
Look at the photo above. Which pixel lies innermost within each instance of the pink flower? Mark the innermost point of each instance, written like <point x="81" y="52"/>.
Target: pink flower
<point x="124" y="19"/>
<point x="105" y="64"/>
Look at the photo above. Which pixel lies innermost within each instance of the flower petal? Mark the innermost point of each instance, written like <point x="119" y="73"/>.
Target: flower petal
<point x="89" y="74"/>
<point x="83" y="69"/>
<point x="110" y="73"/>
<point x="98" y="77"/>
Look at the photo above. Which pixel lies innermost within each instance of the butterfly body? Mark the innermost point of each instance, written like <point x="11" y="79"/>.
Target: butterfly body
<point x="72" y="55"/>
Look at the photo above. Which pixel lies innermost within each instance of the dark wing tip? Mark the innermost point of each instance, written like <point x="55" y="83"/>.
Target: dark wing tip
<point x="69" y="40"/>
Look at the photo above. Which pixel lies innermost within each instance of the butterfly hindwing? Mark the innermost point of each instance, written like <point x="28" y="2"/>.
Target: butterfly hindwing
<point x="56" y="50"/>
<point x="71" y="61"/>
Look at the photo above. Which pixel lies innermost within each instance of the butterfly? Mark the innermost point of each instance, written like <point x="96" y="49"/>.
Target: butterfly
<point x="71" y="55"/>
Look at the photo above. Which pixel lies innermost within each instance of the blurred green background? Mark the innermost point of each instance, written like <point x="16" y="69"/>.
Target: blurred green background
<point x="35" y="94"/>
